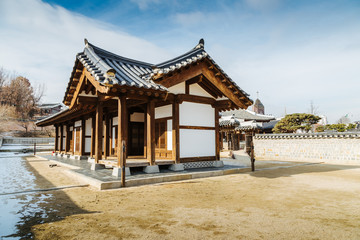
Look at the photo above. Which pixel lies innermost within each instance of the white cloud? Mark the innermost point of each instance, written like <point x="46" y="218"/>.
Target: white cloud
<point x="263" y="5"/>
<point x="189" y="19"/>
<point x="40" y="41"/>
<point x="144" y="4"/>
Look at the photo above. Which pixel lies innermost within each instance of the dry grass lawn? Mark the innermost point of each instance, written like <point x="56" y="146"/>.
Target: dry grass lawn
<point x="317" y="201"/>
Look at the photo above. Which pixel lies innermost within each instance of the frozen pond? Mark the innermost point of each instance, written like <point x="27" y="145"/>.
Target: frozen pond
<point x="18" y="212"/>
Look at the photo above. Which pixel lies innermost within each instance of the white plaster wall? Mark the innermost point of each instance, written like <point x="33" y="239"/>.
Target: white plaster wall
<point x="63" y="144"/>
<point x="71" y="128"/>
<point x="77" y="123"/>
<point x="169" y="134"/>
<point x="88" y="124"/>
<point x="137" y="117"/>
<point x="197" y="143"/>
<point x="195" y="89"/>
<point x="87" y="144"/>
<point x="196" y="114"/>
<point x="178" y="88"/>
<point x="115" y="121"/>
<point x="64" y="130"/>
<point x="113" y="137"/>
<point x="164" y="111"/>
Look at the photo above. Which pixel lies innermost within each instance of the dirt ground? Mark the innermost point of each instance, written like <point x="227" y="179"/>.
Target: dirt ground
<point x="317" y="201"/>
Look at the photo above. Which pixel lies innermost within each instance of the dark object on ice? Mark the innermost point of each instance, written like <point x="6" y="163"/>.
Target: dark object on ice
<point x="52" y="165"/>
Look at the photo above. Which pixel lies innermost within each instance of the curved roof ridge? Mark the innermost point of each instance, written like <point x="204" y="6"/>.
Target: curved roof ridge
<point x="101" y="51"/>
<point x="197" y="49"/>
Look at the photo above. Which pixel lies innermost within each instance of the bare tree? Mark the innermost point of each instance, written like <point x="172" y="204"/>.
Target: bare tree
<point x="314" y="110"/>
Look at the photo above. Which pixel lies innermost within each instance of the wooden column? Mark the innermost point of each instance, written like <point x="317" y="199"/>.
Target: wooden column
<point x="106" y="136"/>
<point x="175" y="132"/>
<point x="150" y="129"/>
<point x="61" y="137"/>
<point x="98" y="131"/>
<point x="228" y="140"/>
<point x="93" y="122"/>
<point x="67" y="143"/>
<point x="217" y="136"/>
<point x="122" y="132"/>
<point x="56" y="148"/>
<point x="82" y="136"/>
<point x="145" y="133"/>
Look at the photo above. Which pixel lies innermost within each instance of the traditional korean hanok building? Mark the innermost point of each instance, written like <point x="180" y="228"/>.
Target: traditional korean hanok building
<point x="123" y="112"/>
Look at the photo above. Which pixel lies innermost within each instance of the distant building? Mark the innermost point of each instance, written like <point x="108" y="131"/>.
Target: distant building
<point x="49" y="108"/>
<point x="258" y="107"/>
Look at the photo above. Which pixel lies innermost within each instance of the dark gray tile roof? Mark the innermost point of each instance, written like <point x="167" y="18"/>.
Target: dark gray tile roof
<point x="127" y="71"/>
<point x="194" y="55"/>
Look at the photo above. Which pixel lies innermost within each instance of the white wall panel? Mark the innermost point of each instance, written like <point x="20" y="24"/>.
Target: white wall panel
<point x="115" y="121"/>
<point x="164" y="111"/>
<point x="178" y="88"/>
<point x="87" y="144"/>
<point x="197" y="143"/>
<point x="169" y="134"/>
<point x="64" y="130"/>
<point x="196" y="114"/>
<point x="88" y="124"/>
<point x="77" y="123"/>
<point x="195" y="89"/>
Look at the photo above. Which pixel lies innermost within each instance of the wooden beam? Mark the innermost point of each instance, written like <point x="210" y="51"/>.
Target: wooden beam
<point x="95" y="83"/>
<point x="106" y="136"/>
<point x="227" y="92"/>
<point x="175" y="132"/>
<point x="56" y="138"/>
<point x="217" y="136"/>
<point x="122" y="137"/>
<point x="61" y="137"/>
<point x="177" y="78"/>
<point x="195" y="99"/>
<point x="150" y="122"/>
<point x="93" y="135"/>
<point x="222" y="104"/>
<point x="98" y="132"/>
<point x="82" y="141"/>
<point x="87" y="100"/>
<point x="78" y="90"/>
<point x="196" y="127"/>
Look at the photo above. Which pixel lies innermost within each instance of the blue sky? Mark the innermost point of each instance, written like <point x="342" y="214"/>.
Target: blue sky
<point x="292" y="52"/>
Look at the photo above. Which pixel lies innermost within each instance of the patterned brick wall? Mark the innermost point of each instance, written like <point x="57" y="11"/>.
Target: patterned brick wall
<point x="331" y="148"/>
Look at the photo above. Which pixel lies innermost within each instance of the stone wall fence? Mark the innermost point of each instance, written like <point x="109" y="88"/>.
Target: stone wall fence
<point x="27" y="140"/>
<point x="309" y="147"/>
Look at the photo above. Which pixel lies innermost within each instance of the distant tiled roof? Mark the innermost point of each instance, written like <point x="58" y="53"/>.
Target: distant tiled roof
<point x="127" y="71"/>
<point x="229" y="122"/>
<point x="248" y="115"/>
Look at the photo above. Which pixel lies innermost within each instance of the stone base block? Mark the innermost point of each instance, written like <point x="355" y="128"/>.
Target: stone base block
<point x="78" y="157"/>
<point x="176" y="167"/>
<point x="218" y="164"/>
<point x="91" y="160"/>
<point x="151" y="169"/>
<point x="117" y="172"/>
<point x="95" y="166"/>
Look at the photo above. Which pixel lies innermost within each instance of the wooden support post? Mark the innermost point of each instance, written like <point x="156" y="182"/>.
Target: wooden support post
<point x="56" y="138"/>
<point x="67" y="139"/>
<point x="106" y="136"/>
<point x="61" y="137"/>
<point x="175" y="132"/>
<point x="150" y="122"/>
<point x="145" y="134"/>
<point x="98" y="132"/>
<point x="228" y="140"/>
<point x="122" y="136"/>
<point x="82" y="138"/>
<point x="217" y="137"/>
<point x="232" y="141"/>
<point x="93" y="122"/>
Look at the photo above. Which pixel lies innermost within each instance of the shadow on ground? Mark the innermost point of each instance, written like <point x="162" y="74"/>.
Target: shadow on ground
<point x="42" y="207"/>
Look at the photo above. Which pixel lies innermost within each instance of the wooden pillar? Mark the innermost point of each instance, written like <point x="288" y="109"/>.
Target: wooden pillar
<point x="228" y="140"/>
<point x="82" y="138"/>
<point x="106" y="136"/>
<point x="150" y="128"/>
<point x="232" y="141"/>
<point x="98" y="131"/>
<point x="175" y="132"/>
<point x="122" y="132"/>
<point x="61" y="137"/>
<point x="67" y="139"/>
<point x="56" y="148"/>
<point x="92" y="150"/>
<point x="217" y="136"/>
<point x="145" y="133"/>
